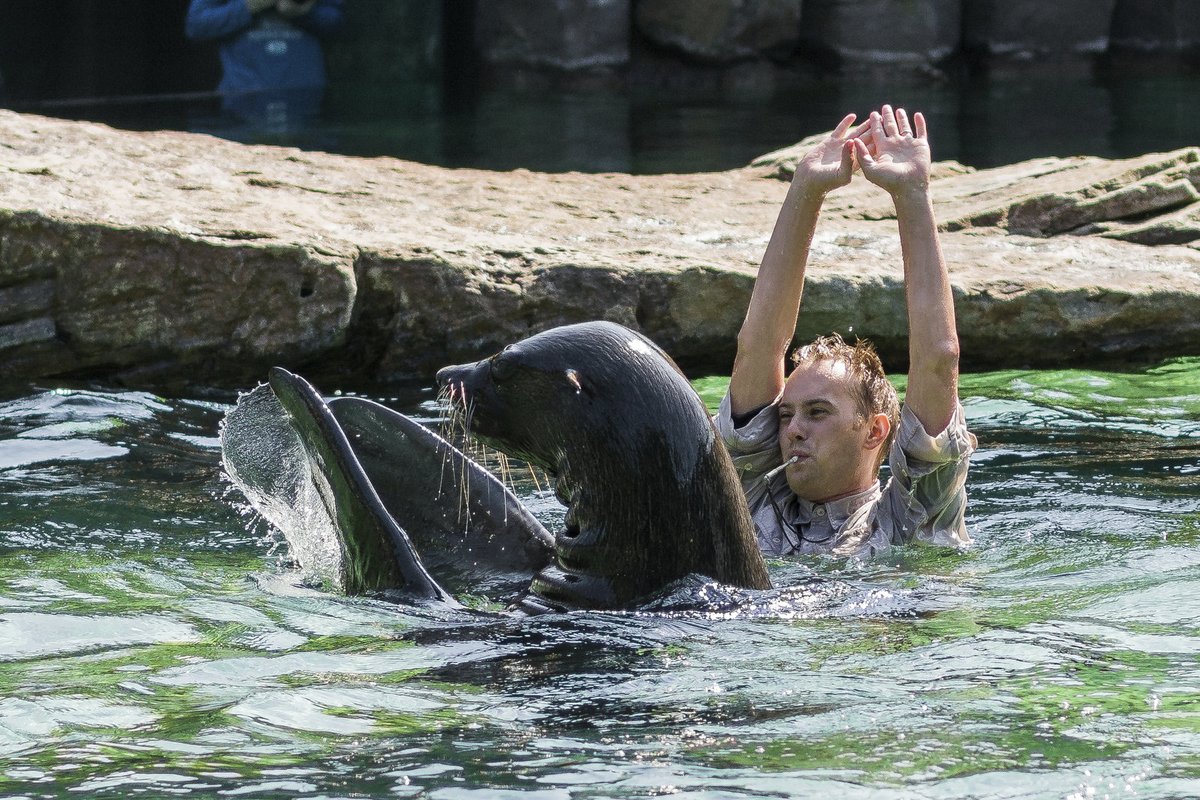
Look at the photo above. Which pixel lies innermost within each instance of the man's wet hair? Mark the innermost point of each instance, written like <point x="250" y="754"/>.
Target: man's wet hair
<point x="872" y="390"/>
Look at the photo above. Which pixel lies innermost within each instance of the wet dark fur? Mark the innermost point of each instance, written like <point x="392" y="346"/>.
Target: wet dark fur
<point x="652" y="494"/>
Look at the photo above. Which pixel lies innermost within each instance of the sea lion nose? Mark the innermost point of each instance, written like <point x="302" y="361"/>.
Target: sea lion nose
<point x="445" y="375"/>
<point x="462" y="380"/>
<point x="451" y="378"/>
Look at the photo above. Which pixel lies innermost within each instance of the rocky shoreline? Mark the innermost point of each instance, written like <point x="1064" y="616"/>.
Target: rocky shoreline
<point x="166" y="258"/>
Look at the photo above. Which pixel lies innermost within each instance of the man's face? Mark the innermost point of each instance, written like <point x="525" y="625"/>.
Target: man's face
<point x="819" y="421"/>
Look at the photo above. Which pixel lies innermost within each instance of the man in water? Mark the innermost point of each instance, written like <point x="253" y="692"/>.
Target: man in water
<point x="809" y="448"/>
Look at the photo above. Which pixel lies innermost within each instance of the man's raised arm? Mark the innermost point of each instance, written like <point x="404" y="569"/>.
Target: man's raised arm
<point x="895" y="156"/>
<point x="770" y="324"/>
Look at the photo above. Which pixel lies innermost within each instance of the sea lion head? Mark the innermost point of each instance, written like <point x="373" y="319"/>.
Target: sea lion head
<point x="551" y="398"/>
<point x="651" y="493"/>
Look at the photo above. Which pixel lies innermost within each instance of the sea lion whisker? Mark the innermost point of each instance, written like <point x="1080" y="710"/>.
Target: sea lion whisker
<point x="502" y="467"/>
<point x="506" y="477"/>
<point x="533" y="474"/>
<point x="464" y="505"/>
<point x="455" y="427"/>
<point x="447" y="425"/>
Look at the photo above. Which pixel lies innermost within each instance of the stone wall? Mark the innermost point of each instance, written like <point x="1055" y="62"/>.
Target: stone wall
<point x="572" y="35"/>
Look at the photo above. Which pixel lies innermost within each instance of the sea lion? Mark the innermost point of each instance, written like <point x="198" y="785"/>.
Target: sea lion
<point x="651" y="493"/>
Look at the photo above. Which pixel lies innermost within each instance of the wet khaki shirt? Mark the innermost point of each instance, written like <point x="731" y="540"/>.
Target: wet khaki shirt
<point x="924" y="499"/>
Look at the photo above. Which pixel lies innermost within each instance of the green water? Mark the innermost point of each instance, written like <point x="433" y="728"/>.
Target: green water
<point x="153" y="642"/>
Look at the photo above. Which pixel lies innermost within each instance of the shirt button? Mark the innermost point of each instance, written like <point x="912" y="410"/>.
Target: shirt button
<point x="819" y="511"/>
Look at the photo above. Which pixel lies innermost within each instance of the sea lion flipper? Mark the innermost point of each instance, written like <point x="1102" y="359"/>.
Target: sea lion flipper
<point x="473" y="533"/>
<point x="377" y="553"/>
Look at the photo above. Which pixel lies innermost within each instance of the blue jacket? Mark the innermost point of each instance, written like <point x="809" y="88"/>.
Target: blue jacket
<point x="266" y="59"/>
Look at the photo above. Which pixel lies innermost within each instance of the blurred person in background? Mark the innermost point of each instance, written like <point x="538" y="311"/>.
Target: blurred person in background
<point x="272" y="61"/>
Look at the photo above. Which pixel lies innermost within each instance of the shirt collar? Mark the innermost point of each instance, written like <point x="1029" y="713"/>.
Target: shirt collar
<point x="802" y="512"/>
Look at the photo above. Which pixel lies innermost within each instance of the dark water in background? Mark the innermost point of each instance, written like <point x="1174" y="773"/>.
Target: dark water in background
<point x="153" y="642"/>
<point x="982" y="120"/>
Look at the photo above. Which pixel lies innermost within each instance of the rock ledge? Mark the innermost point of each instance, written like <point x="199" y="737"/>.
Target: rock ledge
<point x="152" y="258"/>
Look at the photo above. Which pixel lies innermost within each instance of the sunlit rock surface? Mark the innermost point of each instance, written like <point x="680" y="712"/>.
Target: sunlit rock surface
<point x="161" y="257"/>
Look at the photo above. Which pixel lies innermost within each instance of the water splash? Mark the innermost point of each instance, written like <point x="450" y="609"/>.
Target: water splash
<point x="262" y="456"/>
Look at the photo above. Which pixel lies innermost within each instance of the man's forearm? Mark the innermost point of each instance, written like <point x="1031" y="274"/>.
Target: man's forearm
<point x="770" y="324"/>
<point x="758" y="370"/>
<point x="933" y="337"/>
